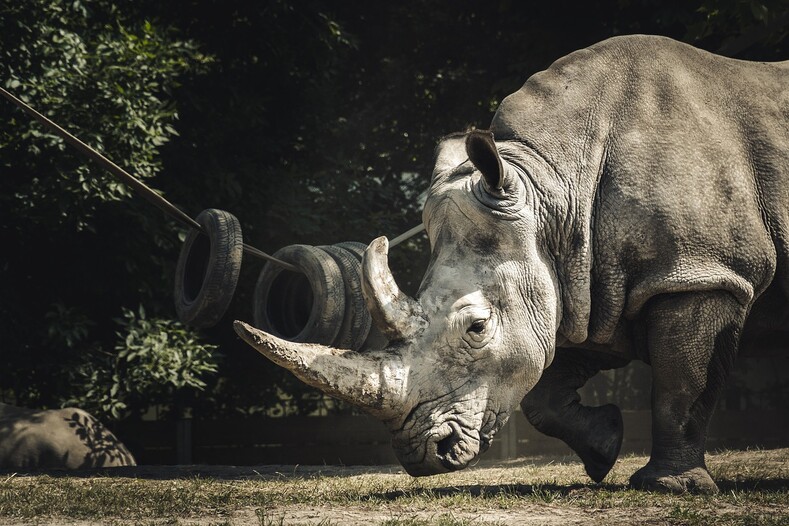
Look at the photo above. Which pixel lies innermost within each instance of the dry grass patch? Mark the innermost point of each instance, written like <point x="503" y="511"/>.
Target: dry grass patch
<point x="754" y="490"/>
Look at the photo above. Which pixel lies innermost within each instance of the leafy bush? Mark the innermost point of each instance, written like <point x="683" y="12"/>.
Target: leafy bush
<point x="154" y="360"/>
<point x="74" y="246"/>
<point x="95" y="69"/>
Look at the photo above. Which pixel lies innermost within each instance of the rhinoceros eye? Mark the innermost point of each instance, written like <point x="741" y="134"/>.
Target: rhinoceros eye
<point x="478" y="327"/>
<point x="478" y="333"/>
<point x="475" y="323"/>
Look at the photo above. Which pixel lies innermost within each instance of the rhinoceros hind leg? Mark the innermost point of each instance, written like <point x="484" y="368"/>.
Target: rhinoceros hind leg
<point x="692" y="340"/>
<point x="554" y="408"/>
<point x="667" y="480"/>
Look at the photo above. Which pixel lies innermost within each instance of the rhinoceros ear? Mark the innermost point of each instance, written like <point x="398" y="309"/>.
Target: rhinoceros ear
<point x="481" y="150"/>
<point x="450" y="153"/>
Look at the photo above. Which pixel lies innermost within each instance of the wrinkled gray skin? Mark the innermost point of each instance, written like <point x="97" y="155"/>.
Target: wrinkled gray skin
<point x="634" y="205"/>
<point x="57" y="439"/>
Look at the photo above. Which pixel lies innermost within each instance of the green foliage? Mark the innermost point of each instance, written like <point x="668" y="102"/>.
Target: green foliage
<point x="154" y="359"/>
<point x="101" y="73"/>
<point x="75" y="248"/>
<point x="66" y="325"/>
<point x="313" y="122"/>
<point x="736" y="26"/>
<point x="162" y="352"/>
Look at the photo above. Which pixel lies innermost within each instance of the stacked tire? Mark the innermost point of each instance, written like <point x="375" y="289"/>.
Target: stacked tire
<point x="321" y="304"/>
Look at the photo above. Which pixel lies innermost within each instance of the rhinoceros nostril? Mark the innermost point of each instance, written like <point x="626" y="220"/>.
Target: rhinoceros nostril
<point x="445" y="446"/>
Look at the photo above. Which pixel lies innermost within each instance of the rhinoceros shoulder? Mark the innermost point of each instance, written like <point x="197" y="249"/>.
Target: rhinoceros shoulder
<point x="606" y="79"/>
<point x="681" y="154"/>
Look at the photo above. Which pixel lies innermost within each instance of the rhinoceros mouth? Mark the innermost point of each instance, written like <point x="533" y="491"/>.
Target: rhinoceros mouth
<point x="458" y="448"/>
<point x="450" y="447"/>
<point x="450" y="444"/>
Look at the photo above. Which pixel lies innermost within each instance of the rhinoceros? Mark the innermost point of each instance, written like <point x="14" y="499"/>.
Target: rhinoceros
<point x="631" y="202"/>
<point x="67" y="438"/>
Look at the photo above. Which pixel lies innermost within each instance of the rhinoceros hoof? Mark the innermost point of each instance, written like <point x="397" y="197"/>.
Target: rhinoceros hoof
<point x="693" y="480"/>
<point x="603" y="442"/>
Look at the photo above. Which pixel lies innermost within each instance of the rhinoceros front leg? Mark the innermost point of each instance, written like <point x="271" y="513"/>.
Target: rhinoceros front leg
<point x="553" y="407"/>
<point x="692" y="340"/>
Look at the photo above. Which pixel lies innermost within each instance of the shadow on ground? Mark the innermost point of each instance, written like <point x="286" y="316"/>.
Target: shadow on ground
<point x="269" y="472"/>
<point x="550" y="491"/>
<point x="217" y="472"/>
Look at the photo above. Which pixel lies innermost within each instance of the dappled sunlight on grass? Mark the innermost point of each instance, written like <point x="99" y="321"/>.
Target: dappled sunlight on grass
<point x="754" y="485"/>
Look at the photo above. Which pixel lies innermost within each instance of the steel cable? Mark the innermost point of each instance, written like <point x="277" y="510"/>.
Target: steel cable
<point x="148" y="193"/>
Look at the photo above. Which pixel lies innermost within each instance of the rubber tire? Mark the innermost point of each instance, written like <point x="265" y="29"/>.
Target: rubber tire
<point x="354" y="247"/>
<point x="301" y="307"/>
<point x="208" y="267"/>
<point x="356" y="320"/>
<point x="376" y="339"/>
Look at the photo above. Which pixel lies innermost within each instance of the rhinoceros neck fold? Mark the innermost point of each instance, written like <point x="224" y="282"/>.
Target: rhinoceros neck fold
<point x="567" y="205"/>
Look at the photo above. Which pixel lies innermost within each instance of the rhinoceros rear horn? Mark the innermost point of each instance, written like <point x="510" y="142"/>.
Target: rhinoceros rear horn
<point x="481" y="150"/>
<point x="395" y="314"/>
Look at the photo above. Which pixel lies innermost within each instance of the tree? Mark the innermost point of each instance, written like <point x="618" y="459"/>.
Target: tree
<point x="154" y="361"/>
<point x="313" y="122"/>
<point x="105" y="72"/>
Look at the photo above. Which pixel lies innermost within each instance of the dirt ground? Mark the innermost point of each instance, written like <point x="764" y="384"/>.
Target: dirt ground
<point x="334" y="515"/>
<point x="550" y="491"/>
<point x="536" y="515"/>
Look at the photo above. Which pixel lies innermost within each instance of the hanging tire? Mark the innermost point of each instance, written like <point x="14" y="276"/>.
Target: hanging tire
<point x="306" y="306"/>
<point x="375" y="338"/>
<point x="356" y="319"/>
<point x="208" y="266"/>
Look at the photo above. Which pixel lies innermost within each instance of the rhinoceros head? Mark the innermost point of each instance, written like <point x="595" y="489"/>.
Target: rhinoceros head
<point x="480" y="332"/>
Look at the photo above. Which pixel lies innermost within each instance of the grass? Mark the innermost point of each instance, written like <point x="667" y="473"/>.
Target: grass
<point x="754" y="491"/>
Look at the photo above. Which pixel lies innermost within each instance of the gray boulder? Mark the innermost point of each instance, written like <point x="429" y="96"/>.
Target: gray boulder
<point x="67" y="438"/>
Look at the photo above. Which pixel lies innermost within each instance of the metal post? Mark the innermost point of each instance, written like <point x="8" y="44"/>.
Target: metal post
<point x="183" y="440"/>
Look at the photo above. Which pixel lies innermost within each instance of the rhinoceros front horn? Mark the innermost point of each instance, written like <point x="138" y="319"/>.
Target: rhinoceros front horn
<point x="395" y="314"/>
<point x="374" y="381"/>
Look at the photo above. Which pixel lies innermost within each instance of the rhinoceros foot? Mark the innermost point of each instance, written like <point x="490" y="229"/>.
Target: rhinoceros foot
<point x="663" y="479"/>
<point x="601" y="448"/>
